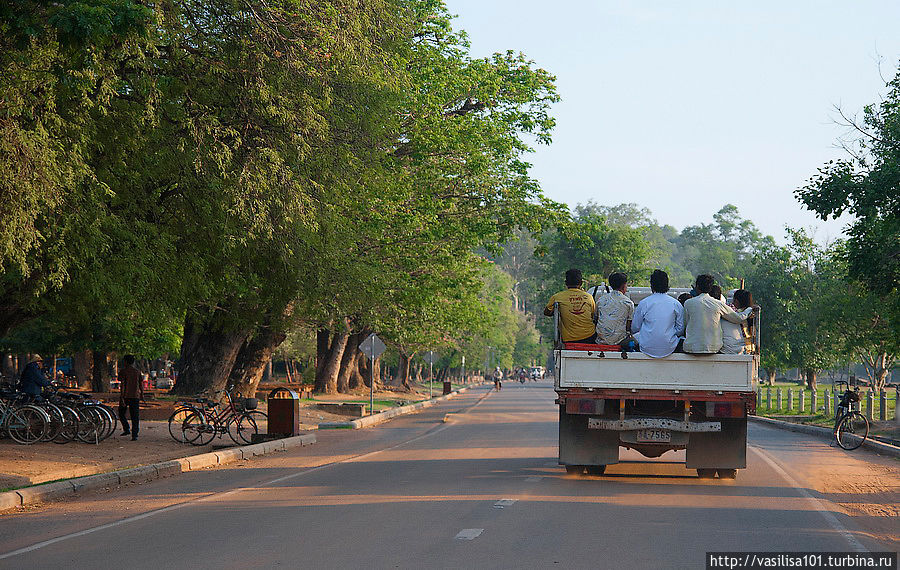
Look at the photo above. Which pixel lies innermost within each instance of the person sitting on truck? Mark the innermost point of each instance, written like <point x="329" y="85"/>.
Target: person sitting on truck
<point x="659" y="319"/>
<point x="702" y="317"/>
<point x="736" y="337"/>
<point x="615" y="312"/>
<point x="576" y="310"/>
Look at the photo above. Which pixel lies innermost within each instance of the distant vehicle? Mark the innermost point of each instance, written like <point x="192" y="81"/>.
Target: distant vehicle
<point x="537" y="372"/>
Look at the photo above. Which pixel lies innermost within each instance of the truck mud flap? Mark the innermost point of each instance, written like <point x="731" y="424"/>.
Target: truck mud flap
<point x="726" y="449"/>
<point x="579" y="445"/>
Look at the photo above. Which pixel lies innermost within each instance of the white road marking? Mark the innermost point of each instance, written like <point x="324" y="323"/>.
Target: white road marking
<point x="45" y="543"/>
<point x="469" y="533"/>
<point x="817" y="503"/>
<point x="533" y="479"/>
<point x="504" y="503"/>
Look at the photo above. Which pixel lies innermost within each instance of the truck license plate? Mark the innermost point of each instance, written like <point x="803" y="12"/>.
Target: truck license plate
<point x="654" y="435"/>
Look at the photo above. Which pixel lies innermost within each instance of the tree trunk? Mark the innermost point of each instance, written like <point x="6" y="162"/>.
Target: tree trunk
<point x="401" y="378"/>
<point x="82" y="366"/>
<point x="349" y="363"/>
<point x="100" y="376"/>
<point x="770" y="376"/>
<point x="8" y="369"/>
<point x="323" y="343"/>
<point x="326" y="380"/>
<point x="811" y="378"/>
<point x="208" y="353"/>
<point x="253" y="358"/>
<point x="359" y="377"/>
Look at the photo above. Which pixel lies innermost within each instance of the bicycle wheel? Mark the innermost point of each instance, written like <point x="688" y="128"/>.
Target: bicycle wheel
<point x="111" y="420"/>
<point x="57" y="421"/>
<point x="242" y="428"/>
<point x="70" y="427"/>
<point x="27" y="424"/>
<point x="852" y="431"/>
<point x="90" y="425"/>
<point x="176" y="424"/>
<point x="197" y="429"/>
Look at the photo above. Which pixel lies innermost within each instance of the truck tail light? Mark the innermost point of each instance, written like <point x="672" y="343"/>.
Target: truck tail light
<point x="724" y="409"/>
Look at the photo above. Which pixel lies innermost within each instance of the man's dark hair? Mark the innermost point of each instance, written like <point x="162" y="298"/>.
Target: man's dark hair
<point x="574" y="278"/>
<point x="684" y="297"/>
<point x="659" y="281"/>
<point x="704" y="283"/>
<point x="617" y="279"/>
<point x="743" y="298"/>
<point x="129" y="359"/>
<point x="715" y="292"/>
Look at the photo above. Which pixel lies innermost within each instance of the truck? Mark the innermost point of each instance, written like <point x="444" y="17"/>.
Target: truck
<point x="610" y="399"/>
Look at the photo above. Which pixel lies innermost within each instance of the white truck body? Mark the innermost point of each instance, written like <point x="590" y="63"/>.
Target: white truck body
<point x="593" y="369"/>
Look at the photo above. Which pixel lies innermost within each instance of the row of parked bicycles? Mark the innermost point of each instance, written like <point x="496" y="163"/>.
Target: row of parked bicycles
<point x="56" y="416"/>
<point x="200" y="420"/>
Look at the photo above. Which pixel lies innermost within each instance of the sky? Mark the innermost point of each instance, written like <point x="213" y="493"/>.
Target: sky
<point x="684" y="106"/>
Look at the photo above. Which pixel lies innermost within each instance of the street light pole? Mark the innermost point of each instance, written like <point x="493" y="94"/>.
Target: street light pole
<point x="431" y="378"/>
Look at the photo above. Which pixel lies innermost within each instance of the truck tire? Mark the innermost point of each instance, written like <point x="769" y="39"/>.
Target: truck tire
<point x="575" y="469"/>
<point x="727" y="473"/>
<point x="706" y="473"/>
<point x="596" y="469"/>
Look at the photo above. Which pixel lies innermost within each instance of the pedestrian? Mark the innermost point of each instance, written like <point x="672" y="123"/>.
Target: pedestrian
<point x="33" y="378"/>
<point x="131" y="392"/>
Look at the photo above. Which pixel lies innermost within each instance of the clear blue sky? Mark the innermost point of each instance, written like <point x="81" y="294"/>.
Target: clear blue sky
<point x="685" y="106"/>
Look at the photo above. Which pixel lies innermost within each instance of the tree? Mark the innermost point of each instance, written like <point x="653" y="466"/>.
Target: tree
<point x="866" y="186"/>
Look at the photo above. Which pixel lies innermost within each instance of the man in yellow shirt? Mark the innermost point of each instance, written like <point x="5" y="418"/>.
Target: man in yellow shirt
<point x="576" y="310"/>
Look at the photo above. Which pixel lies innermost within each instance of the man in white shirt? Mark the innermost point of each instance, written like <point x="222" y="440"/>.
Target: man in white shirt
<point x="659" y="319"/>
<point x="702" y="316"/>
<point x="614" y="311"/>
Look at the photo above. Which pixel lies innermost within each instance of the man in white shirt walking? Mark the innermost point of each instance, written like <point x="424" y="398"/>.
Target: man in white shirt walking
<point x="659" y="319"/>
<point x="614" y="312"/>
<point x="702" y="317"/>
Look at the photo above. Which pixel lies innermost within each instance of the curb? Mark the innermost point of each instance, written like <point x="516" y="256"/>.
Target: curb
<point x="826" y="433"/>
<point x="381" y="417"/>
<point x="59" y="489"/>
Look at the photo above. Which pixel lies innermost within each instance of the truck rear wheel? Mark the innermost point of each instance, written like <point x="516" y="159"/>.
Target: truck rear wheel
<point x="727" y="473"/>
<point x="596" y="469"/>
<point x="575" y="469"/>
<point x="706" y="473"/>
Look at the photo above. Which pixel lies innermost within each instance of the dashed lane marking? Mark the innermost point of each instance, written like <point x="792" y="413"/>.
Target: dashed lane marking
<point x="504" y="503"/>
<point x="469" y="533"/>
<point x="533" y="479"/>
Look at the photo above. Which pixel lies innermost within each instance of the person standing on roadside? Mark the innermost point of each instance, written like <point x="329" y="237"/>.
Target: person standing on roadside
<point x="131" y="392"/>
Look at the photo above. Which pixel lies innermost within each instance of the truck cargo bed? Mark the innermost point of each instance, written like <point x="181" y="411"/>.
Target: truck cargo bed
<point x="593" y="369"/>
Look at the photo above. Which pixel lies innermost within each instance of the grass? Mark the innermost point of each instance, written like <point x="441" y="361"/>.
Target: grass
<point x="816" y="415"/>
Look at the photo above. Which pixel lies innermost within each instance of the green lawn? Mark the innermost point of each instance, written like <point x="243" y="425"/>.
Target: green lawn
<point x="817" y="414"/>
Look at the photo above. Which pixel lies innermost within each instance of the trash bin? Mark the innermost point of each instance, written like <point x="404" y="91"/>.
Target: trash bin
<point x="447" y="388"/>
<point x="284" y="412"/>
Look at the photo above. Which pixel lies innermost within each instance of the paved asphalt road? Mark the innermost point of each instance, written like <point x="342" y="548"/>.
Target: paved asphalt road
<point x="477" y="489"/>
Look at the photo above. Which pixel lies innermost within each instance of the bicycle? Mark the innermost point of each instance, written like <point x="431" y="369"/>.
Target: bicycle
<point x="851" y="428"/>
<point x="200" y="425"/>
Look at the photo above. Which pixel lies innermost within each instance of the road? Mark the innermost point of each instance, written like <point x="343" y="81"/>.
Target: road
<point x="470" y="483"/>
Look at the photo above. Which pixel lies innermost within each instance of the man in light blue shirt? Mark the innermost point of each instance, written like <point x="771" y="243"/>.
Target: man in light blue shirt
<point x="659" y="319"/>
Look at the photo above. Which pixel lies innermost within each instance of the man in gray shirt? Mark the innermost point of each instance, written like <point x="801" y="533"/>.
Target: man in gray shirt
<point x="702" y="315"/>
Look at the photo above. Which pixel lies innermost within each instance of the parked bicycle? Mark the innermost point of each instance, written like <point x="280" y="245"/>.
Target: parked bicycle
<point x="851" y="428"/>
<point x="199" y="421"/>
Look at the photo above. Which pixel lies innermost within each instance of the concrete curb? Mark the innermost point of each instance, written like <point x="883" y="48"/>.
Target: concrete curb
<point x="825" y="433"/>
<point x="381" y="417"/>
<point x="59" y="489"/>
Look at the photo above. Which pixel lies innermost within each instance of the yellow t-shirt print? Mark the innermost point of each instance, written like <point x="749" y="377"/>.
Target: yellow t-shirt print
<point x="576" y="314"/>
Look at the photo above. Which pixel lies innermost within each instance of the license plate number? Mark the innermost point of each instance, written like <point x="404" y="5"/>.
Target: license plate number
<point x="654" y="435"/>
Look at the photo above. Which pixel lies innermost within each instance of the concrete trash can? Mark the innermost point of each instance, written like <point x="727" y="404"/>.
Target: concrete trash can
<point x="284" y="412"/>
<point x="447" y="388"/>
